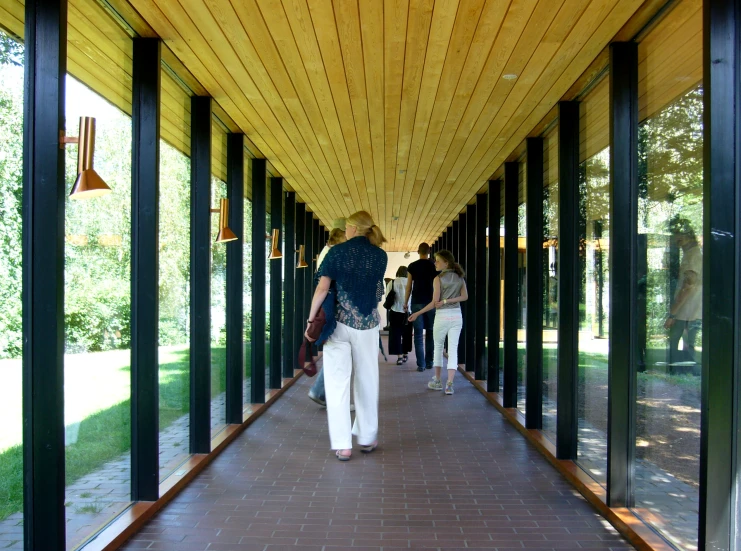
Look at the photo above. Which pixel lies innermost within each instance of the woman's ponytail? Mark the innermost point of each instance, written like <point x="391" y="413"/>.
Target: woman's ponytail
<point x="366" y="227"/>
<point x="458" y="270"/>
<point x="375" y="236"/>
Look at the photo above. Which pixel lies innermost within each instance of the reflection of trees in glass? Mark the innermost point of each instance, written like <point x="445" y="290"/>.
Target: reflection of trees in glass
<point x="594" y="210"/>
<point x="218" y="270"/>
<point x="11" y="194"/>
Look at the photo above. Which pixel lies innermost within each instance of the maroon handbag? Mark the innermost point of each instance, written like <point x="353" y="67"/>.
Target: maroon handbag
<point x="305" y="358"/>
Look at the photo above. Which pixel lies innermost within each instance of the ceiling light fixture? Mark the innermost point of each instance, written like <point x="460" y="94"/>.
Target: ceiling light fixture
<point x="88" y="184"/>
<point x="509" y="76"/>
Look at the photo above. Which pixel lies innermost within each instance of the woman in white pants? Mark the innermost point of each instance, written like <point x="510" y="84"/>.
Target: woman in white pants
<point x="357" y="268"/>
<point x="448" y="291"/>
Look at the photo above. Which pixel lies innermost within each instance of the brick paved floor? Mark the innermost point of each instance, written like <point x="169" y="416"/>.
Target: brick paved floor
<point x="450" y="473"/>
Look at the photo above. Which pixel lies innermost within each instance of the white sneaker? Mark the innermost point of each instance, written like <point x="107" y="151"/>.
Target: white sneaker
<point x="435" y="384"/>
<point x="449" y="388"/>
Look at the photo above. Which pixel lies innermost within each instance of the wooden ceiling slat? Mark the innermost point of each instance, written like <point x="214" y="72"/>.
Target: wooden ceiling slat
<point x="464" y="28"/>
<point x="558" y="78"/>
<point x="371" y="17"/>
<point x="514" y="52"/>
<point x="275" y="88"/>
<point x="279" y="50"/>
<point x="244" y="115"/>
<point x="395" y="16"/>
<point x="340" y="129"/>
<point x="418" y="29"/>
<point x="232" y="53"/>
<point x="469" y="103"/>
<point x="341" y="44"/>
<point x="441" y="28"/>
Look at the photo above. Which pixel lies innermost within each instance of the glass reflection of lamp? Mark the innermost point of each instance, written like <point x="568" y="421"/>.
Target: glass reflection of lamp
<point x="225" y="234"/>
<point x="275" y="253"/>
<point x="88" y="184"/>
<point x="301" y="262"/>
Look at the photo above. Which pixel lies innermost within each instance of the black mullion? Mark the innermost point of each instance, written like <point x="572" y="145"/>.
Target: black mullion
<point x="145" y="183"/>
<point x="299" y="286"/>
<point x="623" y="284"/>
<point x="568" y="280"/>
<point x="534" y="315"/>
<point x="276" y="287"/>
<point x="480" y="321"/>
<point x="259" y="199"/>
<point x="463" y="261"/>
<point x="494" y="285"/>
<point x="309" y="280"/>
<point x="473" y="288"/>
<point x="44" y="196"/>
<point x="200" y="275"/>
<point x="289" y="323"/>
<point x="235" y="279"/>
<point x="719" y="449"/>
<point x="511" y="201"/>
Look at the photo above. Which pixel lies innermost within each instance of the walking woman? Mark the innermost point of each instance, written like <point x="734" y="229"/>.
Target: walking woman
<point x="400" y="332"/>
<point x="356" y="267"/>
<point x="448" y="291"/>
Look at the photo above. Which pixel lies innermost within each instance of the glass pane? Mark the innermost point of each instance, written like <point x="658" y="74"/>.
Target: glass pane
<point x="11" y="333"/>
<point x="247" y="297"/>
<point x="174" y="309"/>
<point x="594" y="233"/>
<point x="218" y="316"/>
<point x="550" y="282"/>
<point x="669" y="320"/>
<point x="266" y="252"/>
<point x="97" y="311"/>
<point x="501" y="292"/>
<point x="522" y="290"/>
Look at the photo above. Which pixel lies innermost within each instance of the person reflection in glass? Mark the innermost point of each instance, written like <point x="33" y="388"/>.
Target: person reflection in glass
<point x="685" y="315"/>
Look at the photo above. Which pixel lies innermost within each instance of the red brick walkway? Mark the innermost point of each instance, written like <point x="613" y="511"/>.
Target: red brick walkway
<point x="450" y="473"/>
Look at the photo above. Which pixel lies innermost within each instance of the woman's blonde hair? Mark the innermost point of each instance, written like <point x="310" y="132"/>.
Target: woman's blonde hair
<point x="449" y="259"/>
<point x="365" y="225"/>
<point x="336" y="236"/>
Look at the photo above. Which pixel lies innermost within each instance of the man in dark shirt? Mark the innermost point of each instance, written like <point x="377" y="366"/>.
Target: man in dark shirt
<point x="419" y="285"/>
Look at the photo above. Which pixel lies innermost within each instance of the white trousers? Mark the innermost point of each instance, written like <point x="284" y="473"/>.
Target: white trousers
<point x="349" y="350"/>
<point x="448" y="323"/>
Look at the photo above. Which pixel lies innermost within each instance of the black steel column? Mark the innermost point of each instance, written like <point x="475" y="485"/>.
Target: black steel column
<point x="481" y="256"/>
<point x="200" y="275"/>
<point x="534" y="315"/>
<point x="44" y="195"/>
<point x="567" y="417"/>
<point x="235" y="279"/>
<point x="259" y="184"/>
<point x="299" y="284"/>
<point x="145" y="186"/>
<point x="511" y="201"/>
<point x="318" y="234"/>
<point x="276" y="287"/>
<point x="463" y="261"/>
<point x="289" y="262"/>
<point x="494" y="285"/>
<point x="454" y="240"/>
<point x="623" y="282"/>
<point x="474" y="296"/>
<point x="719" y="451"/>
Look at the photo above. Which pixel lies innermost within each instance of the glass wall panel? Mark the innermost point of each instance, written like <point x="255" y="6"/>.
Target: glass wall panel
<point x="97" y="374"/>
<point x="174" y="308"/>
<point x="218" y="315"/>
<point x="501" y="288"/>
<point x="669" y="320"/>
<point x="11" y="333"/>
<point x="550" y="281"/>
<point x="266" y="252"/>
<point x="522" y="289"/>
<point x="594" y="234"/>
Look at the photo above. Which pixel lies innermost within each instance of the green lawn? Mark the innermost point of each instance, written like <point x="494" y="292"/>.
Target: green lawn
<point x="106" y="434"/>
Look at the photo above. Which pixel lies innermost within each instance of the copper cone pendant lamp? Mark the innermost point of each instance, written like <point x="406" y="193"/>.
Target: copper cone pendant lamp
<point x="225" y="234"/>
<point x="274" y="250"/>
<point x="301" y="262"/>
<point x="88" y="184"/>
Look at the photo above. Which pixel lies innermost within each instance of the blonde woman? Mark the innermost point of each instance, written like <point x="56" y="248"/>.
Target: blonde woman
<point x="357" y="267"/>
<point x="448" y="291"/>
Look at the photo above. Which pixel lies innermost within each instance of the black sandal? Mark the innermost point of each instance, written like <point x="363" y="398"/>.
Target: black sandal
<point x="405" y="358"/>
<point x="399" y="361"/>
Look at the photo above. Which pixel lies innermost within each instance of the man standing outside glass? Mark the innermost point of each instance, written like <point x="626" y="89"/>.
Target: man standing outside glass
<point x="685" y="315"/>
<point x="420" y="274"/>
